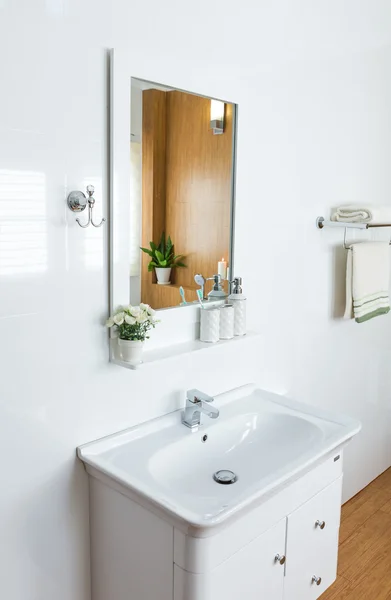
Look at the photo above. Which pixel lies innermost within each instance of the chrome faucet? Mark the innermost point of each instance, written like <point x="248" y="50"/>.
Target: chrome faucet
<point x="196" y="403"/>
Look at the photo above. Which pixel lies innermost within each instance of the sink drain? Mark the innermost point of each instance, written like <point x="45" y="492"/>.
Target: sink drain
<point x="225" y="477"/>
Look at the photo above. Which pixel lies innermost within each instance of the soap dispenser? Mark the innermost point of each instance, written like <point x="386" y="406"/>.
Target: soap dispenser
<point x="217" y="292"/>
<point x="238" y="299"/>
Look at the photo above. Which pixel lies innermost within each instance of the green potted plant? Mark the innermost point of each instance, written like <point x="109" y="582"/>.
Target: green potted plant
<point x="133" y="324"/>
<point x="163" y="259"/>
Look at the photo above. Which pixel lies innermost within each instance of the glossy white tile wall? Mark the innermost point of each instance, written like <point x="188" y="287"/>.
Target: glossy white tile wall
<point x="314" y="85"/>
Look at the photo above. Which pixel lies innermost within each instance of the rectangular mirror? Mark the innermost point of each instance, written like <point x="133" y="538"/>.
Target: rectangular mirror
<point x="182" y="162"/>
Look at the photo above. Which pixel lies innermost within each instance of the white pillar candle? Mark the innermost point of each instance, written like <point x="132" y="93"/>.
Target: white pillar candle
<point x="222" y="268"/>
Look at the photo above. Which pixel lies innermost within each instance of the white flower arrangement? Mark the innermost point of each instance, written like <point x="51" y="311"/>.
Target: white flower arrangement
<point x="133" y="322"/>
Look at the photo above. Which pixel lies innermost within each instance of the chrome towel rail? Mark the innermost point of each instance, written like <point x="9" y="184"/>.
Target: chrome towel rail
<point x="321" y="222"/>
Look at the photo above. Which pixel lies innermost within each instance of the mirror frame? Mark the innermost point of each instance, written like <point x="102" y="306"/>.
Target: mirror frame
<point x="176" y="326"/>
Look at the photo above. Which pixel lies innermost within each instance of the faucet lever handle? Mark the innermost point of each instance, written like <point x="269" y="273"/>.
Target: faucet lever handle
<point x="196" y="396"/>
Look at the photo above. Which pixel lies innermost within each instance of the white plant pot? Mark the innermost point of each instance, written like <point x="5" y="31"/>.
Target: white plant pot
<point x="131" y="351"/>
<point x="163" y="275"/>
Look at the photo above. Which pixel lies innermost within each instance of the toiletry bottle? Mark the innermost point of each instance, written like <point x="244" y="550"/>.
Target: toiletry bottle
<point x="217" y="292"/>
<point x="238" y="299"/>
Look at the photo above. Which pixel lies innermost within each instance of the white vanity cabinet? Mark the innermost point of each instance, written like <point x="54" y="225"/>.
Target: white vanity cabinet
<point x="141" y="553"/>
<point x="296" y="559"/>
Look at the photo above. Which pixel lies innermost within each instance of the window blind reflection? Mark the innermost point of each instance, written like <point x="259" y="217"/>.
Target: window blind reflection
<point x="23" y="224"/>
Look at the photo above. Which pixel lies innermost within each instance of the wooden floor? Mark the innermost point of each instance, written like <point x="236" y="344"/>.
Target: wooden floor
<point x="364" y="568"/>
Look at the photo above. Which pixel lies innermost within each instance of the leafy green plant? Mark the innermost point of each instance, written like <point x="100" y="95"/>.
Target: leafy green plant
<point x="163" y="255"/>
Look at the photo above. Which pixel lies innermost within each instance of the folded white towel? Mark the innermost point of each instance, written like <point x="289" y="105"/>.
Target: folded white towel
<point x="362" y="214"/>
<point x="367" y="281"/>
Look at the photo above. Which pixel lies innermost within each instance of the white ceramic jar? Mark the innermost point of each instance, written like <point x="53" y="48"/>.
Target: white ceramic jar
<point x="210" y="325"/>
<point x="227" y="315"/>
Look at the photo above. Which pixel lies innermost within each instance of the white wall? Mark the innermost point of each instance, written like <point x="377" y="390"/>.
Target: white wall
<point x="313" y="80"/>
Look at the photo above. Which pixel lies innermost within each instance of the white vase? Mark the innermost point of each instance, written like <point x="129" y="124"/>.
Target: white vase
<point x="163" y="275"/>
<point x="131" y="351"/>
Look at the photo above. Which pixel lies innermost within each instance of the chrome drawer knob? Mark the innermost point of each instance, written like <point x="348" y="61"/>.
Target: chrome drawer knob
<point x="317" y="580"/>
<point x="320" y="524"/>
<point x="280" y="558"/>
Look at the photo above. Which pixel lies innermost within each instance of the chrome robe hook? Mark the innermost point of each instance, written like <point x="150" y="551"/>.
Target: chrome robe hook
<point x="77" y="202"/>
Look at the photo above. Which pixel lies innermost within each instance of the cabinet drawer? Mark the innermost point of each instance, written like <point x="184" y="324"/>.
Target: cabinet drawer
<point x="312" y="544"/>
<point x="253" y="573"/>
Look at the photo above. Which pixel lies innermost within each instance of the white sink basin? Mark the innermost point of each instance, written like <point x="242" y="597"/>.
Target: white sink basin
<point x="265" y="439"/>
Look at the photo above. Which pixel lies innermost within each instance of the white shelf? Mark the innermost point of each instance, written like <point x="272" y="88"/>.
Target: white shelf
<point x="159" y="354"/>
